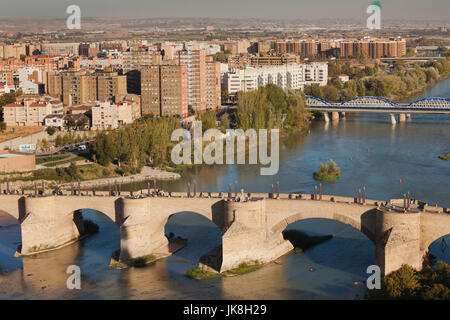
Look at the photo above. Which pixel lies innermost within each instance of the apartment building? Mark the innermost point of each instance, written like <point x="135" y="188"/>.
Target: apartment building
<point x="107" y="115"/>
<point x="79" y="87"/>
<point x="237" y="47"/>
<point x="118" y="46"/>
<point x="28" y="112"/>
<point x="212" y="82"/>
<point x="14" y="51"/>
<point x="7" y="78"/>
<point x="136" y="58"/>
<point x="60" y="49"/>
<point x="87" y="50"/>
<point x="302" y="47"/>
<point x="110" y="84"/>
<point x="316" y="73"/>
<point x="195" y="61"/>
<point x="373" y="48"/>
<point x="289" y="76"/>
<point x="164" y="90"/>
<point x="44" y="63"/>
<point x="256" y="61"/>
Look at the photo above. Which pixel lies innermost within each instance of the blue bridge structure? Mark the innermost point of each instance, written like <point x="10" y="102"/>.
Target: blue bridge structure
<point x="378" y="105"/>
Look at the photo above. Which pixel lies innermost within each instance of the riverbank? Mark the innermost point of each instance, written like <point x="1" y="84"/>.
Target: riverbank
<point x="90" y="176"/>
<point x="146" y="174"/>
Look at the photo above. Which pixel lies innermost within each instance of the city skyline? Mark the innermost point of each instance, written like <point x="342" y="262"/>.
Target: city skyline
<point x="264" y="9"/>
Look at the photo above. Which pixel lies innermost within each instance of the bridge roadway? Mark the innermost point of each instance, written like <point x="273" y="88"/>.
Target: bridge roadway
<point x="251" y="224"/>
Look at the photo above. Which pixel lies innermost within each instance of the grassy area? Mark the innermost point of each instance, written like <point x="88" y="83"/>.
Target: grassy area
<point x="197" y="273"/>
<point x="141" y="262"/>
<point x="245" y="268"/>
<point x="84" y="172"/>
<point x="445" y="157"/>
<point x="178" y="169"/>
<point x="52" y="159"/>
<point x="18" y="132"/>
<point x="57" y="163"/>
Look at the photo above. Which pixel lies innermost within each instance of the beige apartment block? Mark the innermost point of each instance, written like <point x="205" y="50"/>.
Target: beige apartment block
<point x="29" y="112"/>
<point x="79" y="87"/>
<point x="106" y="115"/>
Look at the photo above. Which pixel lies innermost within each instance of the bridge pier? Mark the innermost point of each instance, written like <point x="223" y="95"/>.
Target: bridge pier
<point x="401" y="117"/>
<point x="335" y="116"/>
<point x="142" y="232"/>
<point x="44" y="228"/>
<point x="342" y="114"/>
<point x="326" y="117"/>
<point x="393" y="121"/>
<point x="397" y="241"/>
<point x="247" y="239"/>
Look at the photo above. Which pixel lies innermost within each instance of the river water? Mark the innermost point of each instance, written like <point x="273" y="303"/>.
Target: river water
<point x="388" y="160"/>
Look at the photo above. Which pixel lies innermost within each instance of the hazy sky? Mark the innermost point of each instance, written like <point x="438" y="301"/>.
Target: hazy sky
<point x="309" y="9"/>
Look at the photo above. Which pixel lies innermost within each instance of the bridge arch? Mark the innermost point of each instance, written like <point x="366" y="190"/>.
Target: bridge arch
<point x="369" y="101"/>
<point x="13" y="205"/>
<point x="204" y="235"/>
<point x="364" y="223"/>
<point x="71" y="204"/>
<point x="312" y="101"/>
<point x="440" y="248"/>
<point x="431" y="103"/>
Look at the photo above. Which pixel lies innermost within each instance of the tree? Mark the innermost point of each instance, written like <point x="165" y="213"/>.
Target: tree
<point x="2" y="126"/>
<point x="72" y="171"/>
<point x="208" y="120"/>
<point x="44" y="143"/>
<point x="50" y="131"/>
<point x="331" y="93"/>
<point x="224" y="122"/>
<point x="224" y="96"/>
<point x="59" y="140"/>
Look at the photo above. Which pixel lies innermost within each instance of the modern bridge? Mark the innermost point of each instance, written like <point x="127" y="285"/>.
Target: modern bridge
<point x="378" y="105"/>
<point x="251" y="224"/>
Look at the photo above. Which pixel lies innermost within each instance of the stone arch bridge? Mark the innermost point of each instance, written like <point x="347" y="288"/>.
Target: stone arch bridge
<point x="251" y="224"/>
